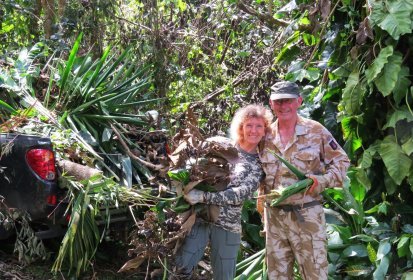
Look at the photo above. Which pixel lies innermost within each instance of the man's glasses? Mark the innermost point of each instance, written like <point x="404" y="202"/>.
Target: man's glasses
<point x="285" y="100"/>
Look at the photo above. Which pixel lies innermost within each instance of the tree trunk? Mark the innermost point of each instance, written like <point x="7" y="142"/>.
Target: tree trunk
<point x="61" y="8"/>
<point x="78" y="171"/>
<point x="49" y="12"/>
<point x="34" y="19"/>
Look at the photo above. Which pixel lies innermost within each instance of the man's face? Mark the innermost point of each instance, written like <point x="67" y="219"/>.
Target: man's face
<point x="286" y="108"/>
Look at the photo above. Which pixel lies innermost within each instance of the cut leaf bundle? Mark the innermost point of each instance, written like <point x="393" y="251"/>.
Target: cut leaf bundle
<point x="297" y="187"/>
<point x="292" y="189"/>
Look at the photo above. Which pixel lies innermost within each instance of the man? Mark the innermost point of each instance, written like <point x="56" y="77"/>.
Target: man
<point x="295" y="230"/>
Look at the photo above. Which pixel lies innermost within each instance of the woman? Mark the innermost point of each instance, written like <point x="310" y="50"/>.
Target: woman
<point x="248" y="128"/>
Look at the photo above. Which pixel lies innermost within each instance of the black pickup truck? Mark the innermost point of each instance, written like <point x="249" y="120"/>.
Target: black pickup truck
<point x="28" y="182"/>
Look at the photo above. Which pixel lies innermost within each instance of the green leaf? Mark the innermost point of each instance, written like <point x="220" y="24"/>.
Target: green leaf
<point x="381" y="271"/>
<point x="401" y="88"/>
<point x="407" y="276"/>
<point x="70" y="62"/>
<point x="384" y="249"/>
<point x="408" y="147"/>
<point x="377" y="66"/>
<point x="353" y="93"/>
<point x="368" y="155"/>
<point x="387" y="79"/>
<point x="356" y="270"/>
<point x="7" y="107"/>
<point x="363" y="179"/>
<point x="411" y="246"/>
<point x="181" y="175"/>
<point x="402" y="113"/>
<point x="371" y="253"/>
<point x="393" y="16"/>
<point x="287" y="54"/>
<point x="396" y="161"/>
<point x="403" y="245"/>
<point x="355" y="251"/>
<point x="181" y="205"/>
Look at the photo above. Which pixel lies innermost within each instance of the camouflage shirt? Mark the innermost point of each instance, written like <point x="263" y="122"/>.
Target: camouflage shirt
<point x="313" y="150"/>
<point x="245" y="177"/>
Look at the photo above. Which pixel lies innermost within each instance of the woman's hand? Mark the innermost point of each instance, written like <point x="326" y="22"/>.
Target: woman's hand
<point x="194" y="196"/>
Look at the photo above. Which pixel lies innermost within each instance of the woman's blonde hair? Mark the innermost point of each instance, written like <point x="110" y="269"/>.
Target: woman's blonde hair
<point x="245" y="113"/>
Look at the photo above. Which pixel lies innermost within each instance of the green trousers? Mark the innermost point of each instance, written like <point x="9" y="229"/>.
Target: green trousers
<point x="224" y="249"/>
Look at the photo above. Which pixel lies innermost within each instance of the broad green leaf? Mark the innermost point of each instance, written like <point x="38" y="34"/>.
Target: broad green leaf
<point x="389" y="183"/>
<point x="402" y="113"/>
<point x="387" y="79"/>
<point x="396" y="161"/>
<point x="353" y="93"/>
<point x="384" y="249"/>
<point x="352" y="144"/>
<point x="377" y="66"/>
<point x="363" y="179"/>
<point x="287" y="54"/>
<point x="181" y="5"/>
<point x="393" y="16"/>
<point x="408" y="228"/>
<point x="357" y="190"/>
<point x="371" y="253"/>
<point x="356" y="270"/>
<point x="401" y="88"/>
<point x="411" y="246"/>
<point x="368" y="155"/>
<point x="407" y="276"/>
<point x="408" y="147"/>
<point x="181" y="175"/>
<point x="355" y="251"/>
<point x="382" y="268"/>
<point x="403" y="245"/>
<point x="383" y="207"/>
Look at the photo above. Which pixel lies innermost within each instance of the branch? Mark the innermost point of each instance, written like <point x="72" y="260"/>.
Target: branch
<point x="265" y="17"/>
<point x="156" y="167"/>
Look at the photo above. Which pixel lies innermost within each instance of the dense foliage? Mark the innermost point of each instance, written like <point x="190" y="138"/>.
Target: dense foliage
<point x="352" y="58"/>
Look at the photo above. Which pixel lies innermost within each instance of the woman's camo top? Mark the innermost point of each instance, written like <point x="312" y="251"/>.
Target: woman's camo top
<point x="245" y="177"/>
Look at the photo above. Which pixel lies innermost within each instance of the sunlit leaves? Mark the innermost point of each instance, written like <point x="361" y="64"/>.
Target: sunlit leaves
<point x="393" y="16"/>
<point x="297" y="72"/>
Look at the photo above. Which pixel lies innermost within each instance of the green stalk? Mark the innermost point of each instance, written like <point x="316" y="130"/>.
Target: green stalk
<point x="300" y="175"/>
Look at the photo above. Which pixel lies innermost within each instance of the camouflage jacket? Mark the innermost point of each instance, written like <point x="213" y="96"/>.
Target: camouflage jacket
<point x="245" y="177"/>
<point x="313" y="150"/>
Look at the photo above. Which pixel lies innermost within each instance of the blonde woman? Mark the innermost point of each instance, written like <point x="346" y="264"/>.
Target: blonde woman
<point x="248" y="127"/>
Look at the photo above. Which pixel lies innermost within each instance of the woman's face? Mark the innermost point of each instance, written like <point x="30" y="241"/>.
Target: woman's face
<point x="253" y="130"/>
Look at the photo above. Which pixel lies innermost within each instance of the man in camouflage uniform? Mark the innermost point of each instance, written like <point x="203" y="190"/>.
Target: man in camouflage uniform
<point x="295" y="230"/>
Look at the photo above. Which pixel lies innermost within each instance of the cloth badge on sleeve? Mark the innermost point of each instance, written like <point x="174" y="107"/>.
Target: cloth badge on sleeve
<point x="333" y="144"/>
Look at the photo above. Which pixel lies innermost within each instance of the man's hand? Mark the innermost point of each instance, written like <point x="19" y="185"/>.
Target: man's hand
<point x="314" y="189"/>
<point x="194" y="197"/>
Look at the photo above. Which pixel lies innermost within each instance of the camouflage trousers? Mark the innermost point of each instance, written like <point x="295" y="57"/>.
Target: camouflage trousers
<point x="290" y="238"/>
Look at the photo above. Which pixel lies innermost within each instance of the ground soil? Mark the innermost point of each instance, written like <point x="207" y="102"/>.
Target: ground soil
<point x="109" y="259"/>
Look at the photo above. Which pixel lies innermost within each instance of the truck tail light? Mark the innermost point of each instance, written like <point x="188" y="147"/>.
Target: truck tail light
<point x="42" y="163"/>
<point x="52" y="199"/>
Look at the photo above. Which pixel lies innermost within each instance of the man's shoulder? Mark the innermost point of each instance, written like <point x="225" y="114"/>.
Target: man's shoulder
<point x="311" y="126"/>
